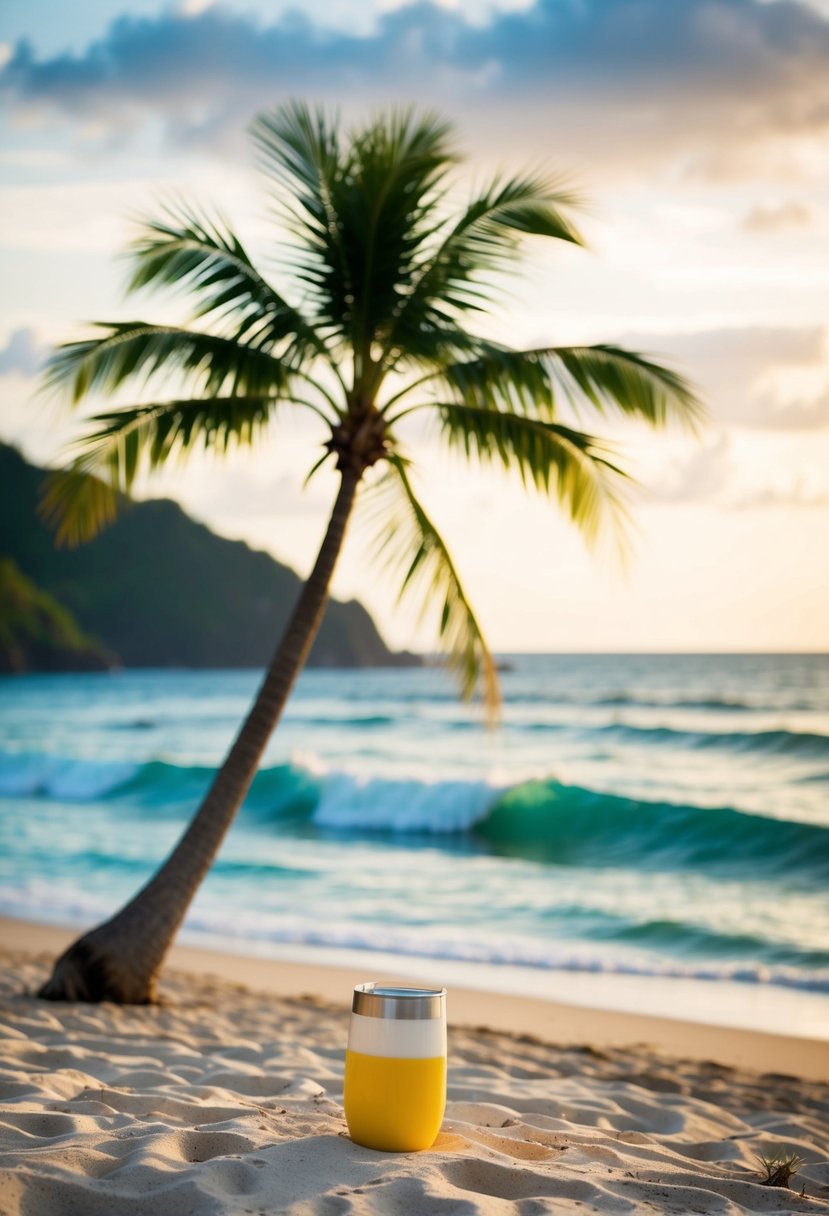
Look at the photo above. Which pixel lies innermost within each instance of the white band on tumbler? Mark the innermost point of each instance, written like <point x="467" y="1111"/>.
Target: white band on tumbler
<point x="423" y="1039"/>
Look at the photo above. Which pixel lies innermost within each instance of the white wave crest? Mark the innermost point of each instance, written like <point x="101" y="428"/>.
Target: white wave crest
<point x="65" y="779"/>
<point x="351" y="802"/>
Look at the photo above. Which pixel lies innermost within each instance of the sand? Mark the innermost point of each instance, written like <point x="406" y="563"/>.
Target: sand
<point x="227" y="1099"/>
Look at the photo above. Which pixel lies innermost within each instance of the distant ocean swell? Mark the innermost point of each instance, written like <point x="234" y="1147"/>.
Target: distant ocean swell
<point x="801" y="744"/>
<point x="551" y="697"/>
<point x="769" y="742"/>
<point x="541" y="820"/>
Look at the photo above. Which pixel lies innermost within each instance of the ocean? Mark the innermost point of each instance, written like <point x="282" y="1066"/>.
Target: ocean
<point x="642" y="832"/>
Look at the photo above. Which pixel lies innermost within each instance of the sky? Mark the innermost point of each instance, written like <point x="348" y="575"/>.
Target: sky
<point x="697" y="132"/>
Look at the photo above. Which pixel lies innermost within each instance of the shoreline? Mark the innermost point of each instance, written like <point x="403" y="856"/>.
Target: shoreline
<point x="533" y="1017"/>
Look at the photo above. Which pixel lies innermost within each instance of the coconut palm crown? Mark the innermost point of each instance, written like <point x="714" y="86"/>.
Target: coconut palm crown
<point x="376" y="322"/>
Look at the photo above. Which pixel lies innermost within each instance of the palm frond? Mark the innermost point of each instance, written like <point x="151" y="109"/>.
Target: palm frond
<point x="440" y="342"/>
<point x="412" y="548"/>
<point x="186" y="250"/>
<point x="496" y="377"/>
<point x="522" y="205"/>
<point x="399" y="164"/>
<point x="79" y="501"/>
<point x="299" y="148"/>
<point x="612" y="378"/>
<point x="358" y="215"/>
<point x="567" y="464"/>
<point x="454" y="277"/>
<point x="76" y="506"/>
<point x="133" y="349"/>
<point x="529" y="381"/>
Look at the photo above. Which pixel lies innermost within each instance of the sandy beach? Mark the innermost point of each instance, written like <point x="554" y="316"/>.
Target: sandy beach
<point x="227" y="1099"/>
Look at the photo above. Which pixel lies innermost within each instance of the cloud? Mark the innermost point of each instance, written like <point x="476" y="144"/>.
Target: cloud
<point x="241" y="493"/>
<point x="772" y="217"/>
<point x="696" y="80"/>
<point x="742" y="373"/>
<point x="770" y="412"/>
<point x="796" y="494"/>
<point x="718" y="474"/>
<point x="766" y="440"/>
<point x="22" y="354"/>
<point x="700" y="477"/>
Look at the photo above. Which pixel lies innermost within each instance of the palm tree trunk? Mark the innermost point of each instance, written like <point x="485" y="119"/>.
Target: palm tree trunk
<point x="120" y="959"/>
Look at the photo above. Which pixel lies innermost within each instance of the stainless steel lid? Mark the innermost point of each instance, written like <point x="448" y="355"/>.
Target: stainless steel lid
<point x="394" y="1001"/>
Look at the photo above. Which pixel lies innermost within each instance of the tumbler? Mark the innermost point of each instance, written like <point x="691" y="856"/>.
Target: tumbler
<point x="395" y="1067"/>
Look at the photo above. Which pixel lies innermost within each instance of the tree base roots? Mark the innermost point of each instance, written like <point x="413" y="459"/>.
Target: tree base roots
<point x="90" y="971"/>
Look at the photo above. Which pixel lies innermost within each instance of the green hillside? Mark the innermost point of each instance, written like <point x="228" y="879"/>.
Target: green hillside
<point x="37" y="634"/>
<point x="160" y="590"/>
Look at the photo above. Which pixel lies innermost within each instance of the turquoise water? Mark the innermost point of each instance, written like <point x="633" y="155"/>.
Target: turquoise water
<point x="633" y="816"/>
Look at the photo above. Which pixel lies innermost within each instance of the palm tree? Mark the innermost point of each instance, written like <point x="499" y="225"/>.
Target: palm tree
<point x="384" y="277"/>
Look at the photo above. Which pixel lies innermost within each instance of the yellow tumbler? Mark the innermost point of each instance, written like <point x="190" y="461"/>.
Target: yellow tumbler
<point x="395" y="1067"/>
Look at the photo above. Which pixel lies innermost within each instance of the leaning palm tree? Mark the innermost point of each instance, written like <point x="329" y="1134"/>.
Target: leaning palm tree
<point x="374" y="325"/>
